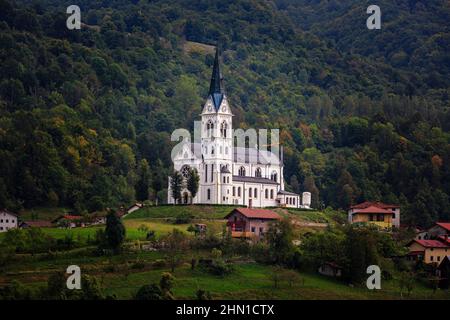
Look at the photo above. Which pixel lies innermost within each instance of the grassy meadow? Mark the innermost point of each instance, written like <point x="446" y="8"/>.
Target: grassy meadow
<point x="122" y="275"/>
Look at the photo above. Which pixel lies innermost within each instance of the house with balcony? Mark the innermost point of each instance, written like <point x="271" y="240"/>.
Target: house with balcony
<point x="377" y="213"/>
<point x="372" y="215"/>
<point x="250" y="223"/>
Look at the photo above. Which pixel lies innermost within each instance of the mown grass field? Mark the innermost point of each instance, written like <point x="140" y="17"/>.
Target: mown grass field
<point x="199" y="212"/>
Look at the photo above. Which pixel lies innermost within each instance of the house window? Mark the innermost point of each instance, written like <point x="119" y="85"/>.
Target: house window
<point x="253" y="229"/>
<point x="242" y="171"/>
<point x="261" y="230"/>
<point x="431" y="258"/>
<point x="208" y="192"/>
<point x="439" y="258"/>
<point x="7" y="221"/>
<point x="258" y="173"/>
<point x="393" y="216"/>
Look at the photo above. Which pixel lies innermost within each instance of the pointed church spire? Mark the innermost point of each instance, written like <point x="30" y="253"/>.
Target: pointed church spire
<point x="216" y="90"/>
<point x="216" y="77"/>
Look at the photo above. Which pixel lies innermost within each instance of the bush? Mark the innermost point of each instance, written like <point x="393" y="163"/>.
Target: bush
<point x="218" y="268"/>
<point x="183" y="218"/>
<point x="149" y="292"/>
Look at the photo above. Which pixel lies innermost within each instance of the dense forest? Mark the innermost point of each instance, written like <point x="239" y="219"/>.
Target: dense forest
<point x="86" y="115"/>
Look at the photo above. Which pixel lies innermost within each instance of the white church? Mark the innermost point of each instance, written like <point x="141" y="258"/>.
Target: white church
<point x="230" y="174"/>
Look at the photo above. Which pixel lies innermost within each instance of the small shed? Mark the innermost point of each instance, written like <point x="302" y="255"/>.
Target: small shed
<point x="330" y="269"/>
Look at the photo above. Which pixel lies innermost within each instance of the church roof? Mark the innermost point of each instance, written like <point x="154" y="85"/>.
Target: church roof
<point x="284" y="192"/>
<point x="253" y="180"/>
<point x="216" y="91"/>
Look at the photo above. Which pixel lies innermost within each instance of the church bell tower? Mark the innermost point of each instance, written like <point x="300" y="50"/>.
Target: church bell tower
<point x="216" y="139"/>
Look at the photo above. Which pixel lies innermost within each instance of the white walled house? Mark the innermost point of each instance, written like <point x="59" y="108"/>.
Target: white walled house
<point x="8" y="220"/>
<point x="231" y="174"/>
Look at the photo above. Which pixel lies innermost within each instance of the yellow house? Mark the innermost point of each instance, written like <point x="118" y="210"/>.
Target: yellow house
<point x="373" y="215"/>
<point x="428" y="251"/>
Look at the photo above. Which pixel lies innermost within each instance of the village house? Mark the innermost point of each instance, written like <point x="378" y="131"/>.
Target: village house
<point x="134" y="207"/>
<point x="8" y="220"/>
<point x="383" y="215"/>
<point x="439" y="229"/>
<point x="428" y="251"/>
<point x="69" y="221"/>
<point x="250" y="223"/>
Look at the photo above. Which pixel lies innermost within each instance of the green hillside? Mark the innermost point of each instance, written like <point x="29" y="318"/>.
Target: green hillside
<point x="86" y="115"/>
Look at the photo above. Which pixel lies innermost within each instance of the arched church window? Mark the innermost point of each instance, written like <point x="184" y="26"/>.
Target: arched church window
<point x="226" y="150"/>
<point x="271" y="194"/>
<point x="255" y="193"/>
<point x="250" y="192"/>
<point x="208" y="194"/>
<point x="267" y="193"/>
<point x="209" y="128"/>
<point x="221" y="150"/>
<point x="239" y="191"/>
<point x="258" y="172"/>
<point x="212" y="150"/>
<point x="274" y="176"/>
<point x="223" y="129"/>
<point x="242" y="171"/>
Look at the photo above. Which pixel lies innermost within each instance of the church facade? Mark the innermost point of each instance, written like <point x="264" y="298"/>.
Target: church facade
<point x="230" y="174"/>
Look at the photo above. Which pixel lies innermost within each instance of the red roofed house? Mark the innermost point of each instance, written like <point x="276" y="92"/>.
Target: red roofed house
<point x="69" y="221"/>
<point x="249" y="222"/>
<point x="439" y="229"/>
<point x="378" y="213"/>
<point x="428" y="251"/>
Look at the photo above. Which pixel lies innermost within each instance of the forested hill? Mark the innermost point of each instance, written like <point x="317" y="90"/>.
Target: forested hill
<point x="415" y="35"/>
<point x="86" y="115"/>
